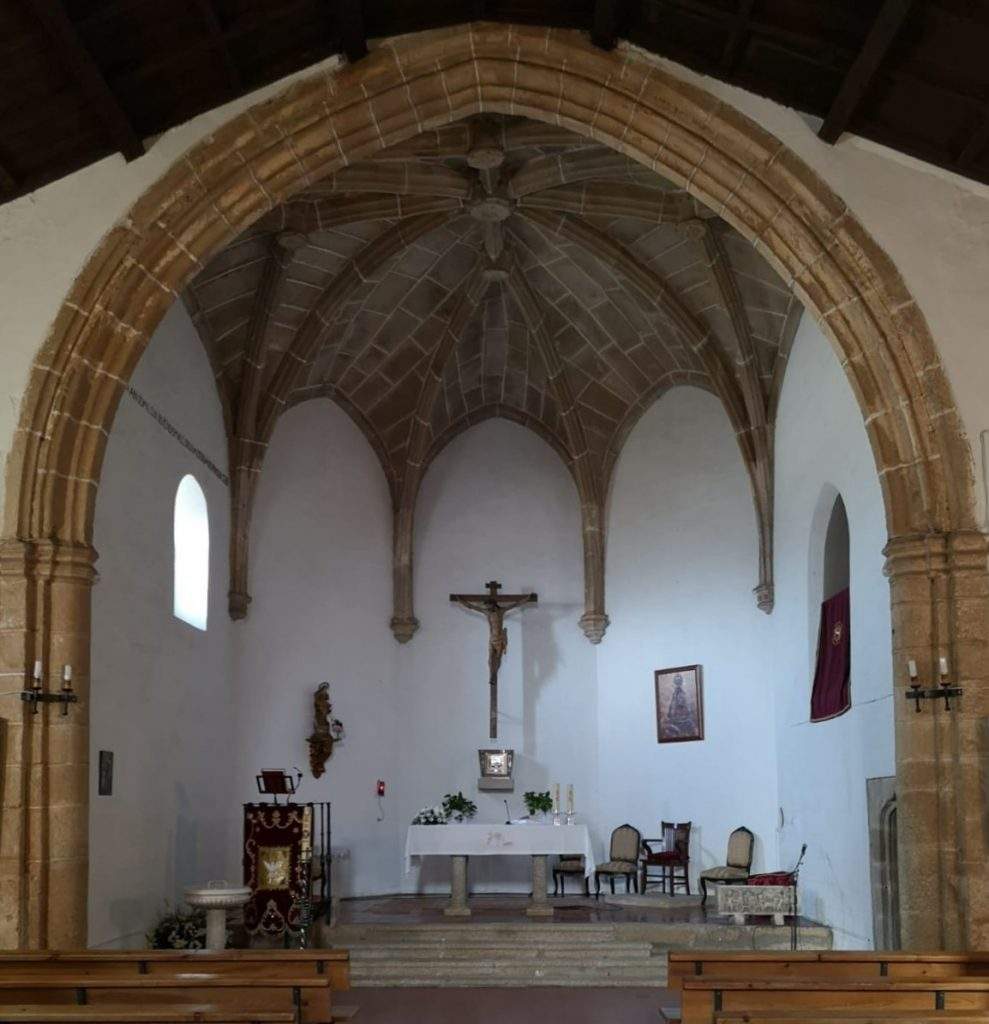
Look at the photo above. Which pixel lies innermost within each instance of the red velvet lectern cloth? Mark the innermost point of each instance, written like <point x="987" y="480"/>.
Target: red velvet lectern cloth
<point x="273" y="866"/>
<point x="831" y="694"/>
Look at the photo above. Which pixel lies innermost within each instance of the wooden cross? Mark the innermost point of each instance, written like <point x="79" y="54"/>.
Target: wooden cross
<point x="494" y="606"/>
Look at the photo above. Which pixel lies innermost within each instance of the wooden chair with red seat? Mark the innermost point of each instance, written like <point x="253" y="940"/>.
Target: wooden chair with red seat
<point x="674" y="854"/>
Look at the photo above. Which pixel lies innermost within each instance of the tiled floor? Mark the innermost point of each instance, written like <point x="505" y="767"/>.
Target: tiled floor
<point x="506" y="1005"/>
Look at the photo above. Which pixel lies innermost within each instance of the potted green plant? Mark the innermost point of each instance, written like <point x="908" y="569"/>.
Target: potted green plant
<point x="178" y="929"/>
<point x="458" y="808"/>
<point x="538" y="804"/>
<point x="430" y="816"/>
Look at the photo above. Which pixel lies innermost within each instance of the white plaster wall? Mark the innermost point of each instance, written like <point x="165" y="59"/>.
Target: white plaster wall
<point x="932" y="224"/>
<point x="821" y="450"/>
<point x="46" y="237"/>
<point x="682" y="562"/>
<point x="321" y="588"/>
<point x="161" y="694"/>
<point x="498" y="503"/>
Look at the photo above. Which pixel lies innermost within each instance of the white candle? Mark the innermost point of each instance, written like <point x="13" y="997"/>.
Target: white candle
<point x="944" y="666"/>
<point x="556" y="797"/>
<point x="67" y="677"/>
<point x="570" y="799"/>
<point x="37" y="670"/>
<point x="912" y="668"/>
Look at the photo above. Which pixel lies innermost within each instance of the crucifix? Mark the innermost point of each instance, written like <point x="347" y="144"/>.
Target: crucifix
<point x="494" y="606"/>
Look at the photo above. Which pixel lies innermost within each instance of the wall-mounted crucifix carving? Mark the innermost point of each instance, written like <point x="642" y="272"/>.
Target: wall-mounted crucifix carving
<point x="494" y="606"/>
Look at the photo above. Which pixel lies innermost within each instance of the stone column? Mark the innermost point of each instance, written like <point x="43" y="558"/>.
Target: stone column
<point x="940" y="608"/>
<point x="540" y="905"/>
<point x="458" y="888"/>
<point x="45" y="591"/>
<point x="594" y="622"/>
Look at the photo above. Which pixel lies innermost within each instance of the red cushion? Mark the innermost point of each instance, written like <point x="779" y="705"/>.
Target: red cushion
<point x="665" y="857"/>
<point x="772" y="878"/>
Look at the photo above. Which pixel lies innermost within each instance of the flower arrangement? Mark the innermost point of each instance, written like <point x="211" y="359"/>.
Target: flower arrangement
<point x="177" y="929"/>
<point x="458" y="808"/>
<point x="536" y="802"/>
<point x="430" y="816"/>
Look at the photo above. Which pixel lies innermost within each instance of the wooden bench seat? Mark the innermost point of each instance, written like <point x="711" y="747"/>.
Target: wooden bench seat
<point x="307" y="997"/>
<point x="127" y="1014"/>
<point x="704" y="998"/>
<point x="826" y="964"/>
<point x="849" y="1017"/>
<point x="333" y="963"/>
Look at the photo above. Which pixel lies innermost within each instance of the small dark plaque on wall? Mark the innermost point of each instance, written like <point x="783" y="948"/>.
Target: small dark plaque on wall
<point x="105" y="782"/>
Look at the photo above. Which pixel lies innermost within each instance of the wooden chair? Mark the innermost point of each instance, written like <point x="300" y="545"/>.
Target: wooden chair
<point x="569" y="866"/>
<point x="623" y="859"/>
<point x="675" y="853"/>
<point x="738" y="862"/>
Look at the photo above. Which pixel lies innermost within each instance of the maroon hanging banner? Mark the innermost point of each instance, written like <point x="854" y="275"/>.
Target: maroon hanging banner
<point x="831" y="695"/>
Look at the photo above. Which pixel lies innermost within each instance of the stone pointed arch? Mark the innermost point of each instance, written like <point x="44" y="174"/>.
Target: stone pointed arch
<point x="936" y="556"/>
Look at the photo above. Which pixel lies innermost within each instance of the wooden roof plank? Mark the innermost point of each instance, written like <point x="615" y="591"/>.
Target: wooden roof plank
<point x="218" y="42"/>
<point x="739" y="33"/>
<point x="861" y="74"/>
<point x="71" y="50"/>
<point x="350" y="22"/>
<point x="604" y="26"/>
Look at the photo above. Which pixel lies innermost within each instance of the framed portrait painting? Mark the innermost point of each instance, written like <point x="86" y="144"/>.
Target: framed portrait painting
<point x="679" y="704"/>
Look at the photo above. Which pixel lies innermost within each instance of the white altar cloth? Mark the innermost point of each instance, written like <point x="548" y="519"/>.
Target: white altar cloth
<point x="472" y="840"/>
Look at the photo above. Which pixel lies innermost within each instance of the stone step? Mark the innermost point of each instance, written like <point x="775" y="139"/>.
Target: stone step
<point x="497" y="975"/>
<point x="439" y="940"/>
<point x="614" y="951"/>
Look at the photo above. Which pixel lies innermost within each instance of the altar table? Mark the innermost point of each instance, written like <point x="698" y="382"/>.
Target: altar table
<point x="471" y="840"/>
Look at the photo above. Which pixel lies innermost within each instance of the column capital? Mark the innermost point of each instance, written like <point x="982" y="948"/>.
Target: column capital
<point x="936" y="554"/>
<point x="48" y="559"/>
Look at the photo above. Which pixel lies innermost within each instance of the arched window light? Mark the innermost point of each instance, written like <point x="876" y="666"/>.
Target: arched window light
<point x="191" y="553"/>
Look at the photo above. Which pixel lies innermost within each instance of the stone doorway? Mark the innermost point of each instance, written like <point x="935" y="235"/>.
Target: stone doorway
<point x="884" y="863"/>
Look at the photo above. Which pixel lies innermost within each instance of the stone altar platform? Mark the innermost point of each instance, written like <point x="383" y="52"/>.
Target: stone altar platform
<point x="617" y="941"/>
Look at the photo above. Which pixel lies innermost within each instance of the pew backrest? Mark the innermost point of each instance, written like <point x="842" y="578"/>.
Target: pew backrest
<point x="825" y="964"/>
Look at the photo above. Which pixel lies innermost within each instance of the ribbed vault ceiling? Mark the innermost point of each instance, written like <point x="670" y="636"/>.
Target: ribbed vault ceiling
<point x="497" y="266"/>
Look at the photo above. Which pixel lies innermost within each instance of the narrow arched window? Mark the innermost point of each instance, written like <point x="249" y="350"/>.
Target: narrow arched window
<point x="831" y="694"/>
<point x="191" y="598"/>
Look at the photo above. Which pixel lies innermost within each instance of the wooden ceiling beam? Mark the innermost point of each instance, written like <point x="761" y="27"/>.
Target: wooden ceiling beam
<point x="218" y="43"/>
<point x="976" y="142"/>
<point x="862" y="73"/>
<point x="604" y="24"/>
<point x="8" y="183"/>
<point x="350" y="23"/>
<point x="69" y="48"/>
<point x="737" y="38"/>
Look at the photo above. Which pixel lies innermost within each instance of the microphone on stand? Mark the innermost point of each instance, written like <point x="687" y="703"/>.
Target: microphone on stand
<point x="508" y="814"/>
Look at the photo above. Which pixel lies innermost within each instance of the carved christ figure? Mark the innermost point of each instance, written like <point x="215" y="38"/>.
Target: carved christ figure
<point x="494" y="608"/>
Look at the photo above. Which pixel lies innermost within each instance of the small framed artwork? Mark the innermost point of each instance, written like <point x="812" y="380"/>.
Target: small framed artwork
<point x="105" y="777"/>
<point x="679" y="704"/>
<point x="496" y="764"/>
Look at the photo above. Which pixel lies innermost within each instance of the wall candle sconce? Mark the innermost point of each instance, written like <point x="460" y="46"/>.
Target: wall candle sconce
<point x="35" y="695"/>
<point x="944" y="691"/>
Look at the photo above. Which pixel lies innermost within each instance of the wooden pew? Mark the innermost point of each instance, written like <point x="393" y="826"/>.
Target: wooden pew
<point x="705" y="998"/>
<point x="332" y="963"/>
<point x="123" y="1014"/>
<point x="825" y="964"/>
<point x="850" y="1017"/>
<point x="307" y="998"/>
